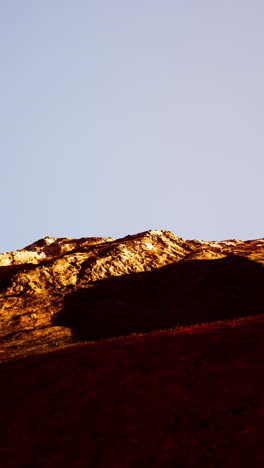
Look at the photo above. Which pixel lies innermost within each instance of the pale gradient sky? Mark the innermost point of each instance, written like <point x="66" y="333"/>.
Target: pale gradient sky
<point x="119" y="116"/>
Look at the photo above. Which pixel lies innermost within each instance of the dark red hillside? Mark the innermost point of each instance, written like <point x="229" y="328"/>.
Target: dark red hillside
<point x="190" y="398"/>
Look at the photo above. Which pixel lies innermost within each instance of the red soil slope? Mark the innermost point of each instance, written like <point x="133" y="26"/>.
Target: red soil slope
<point x="187" y="398"/>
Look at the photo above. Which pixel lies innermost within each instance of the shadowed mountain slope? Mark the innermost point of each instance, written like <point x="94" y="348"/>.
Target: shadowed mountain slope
<point x="189" y="398"/>
<point x="182" y="293"/>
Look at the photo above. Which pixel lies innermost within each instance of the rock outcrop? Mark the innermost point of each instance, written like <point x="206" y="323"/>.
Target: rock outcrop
<point x="42" y="285"/>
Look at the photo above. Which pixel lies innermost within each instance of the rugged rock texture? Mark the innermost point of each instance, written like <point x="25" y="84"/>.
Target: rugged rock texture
<point x="52" y="293"/>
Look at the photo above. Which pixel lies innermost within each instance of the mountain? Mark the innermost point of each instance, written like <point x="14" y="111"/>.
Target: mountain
<point x="145" y="351"/>
<point x="59" y="292"/>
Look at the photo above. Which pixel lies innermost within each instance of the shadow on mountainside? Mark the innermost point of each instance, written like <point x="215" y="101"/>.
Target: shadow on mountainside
<point x="7" y="272"/>
<point x="183" y="293"/>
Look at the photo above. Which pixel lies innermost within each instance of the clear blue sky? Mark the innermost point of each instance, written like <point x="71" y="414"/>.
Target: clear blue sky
<point x="119" y="116"/>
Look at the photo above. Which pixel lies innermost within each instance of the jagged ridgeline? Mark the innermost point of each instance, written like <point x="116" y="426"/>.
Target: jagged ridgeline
<point x="58" y="292"/>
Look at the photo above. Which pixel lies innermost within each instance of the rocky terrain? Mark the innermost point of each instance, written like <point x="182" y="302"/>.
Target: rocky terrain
<point x="58" y="292"/>
<point x="145" y="351"/>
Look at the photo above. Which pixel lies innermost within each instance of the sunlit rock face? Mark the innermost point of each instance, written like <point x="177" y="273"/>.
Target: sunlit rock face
<point x="37" y="281"/>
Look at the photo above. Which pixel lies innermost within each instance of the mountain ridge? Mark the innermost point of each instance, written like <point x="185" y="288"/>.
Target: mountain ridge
<point x="36" y="281"/>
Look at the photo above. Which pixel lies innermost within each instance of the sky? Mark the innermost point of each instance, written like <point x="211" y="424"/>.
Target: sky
<point x="119" y="116"/>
